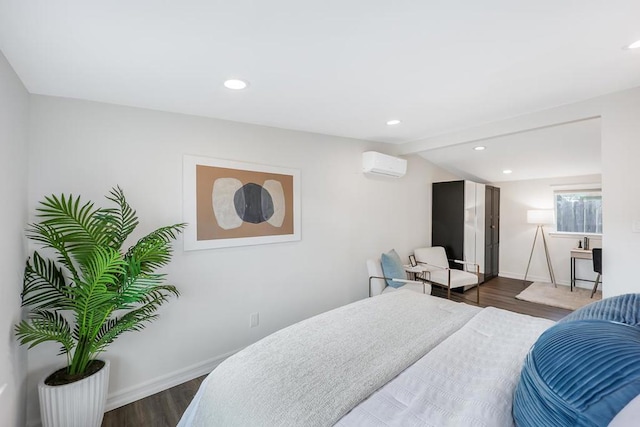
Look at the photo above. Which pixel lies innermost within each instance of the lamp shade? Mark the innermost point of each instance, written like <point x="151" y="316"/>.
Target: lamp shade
<point x="542" y="216"/>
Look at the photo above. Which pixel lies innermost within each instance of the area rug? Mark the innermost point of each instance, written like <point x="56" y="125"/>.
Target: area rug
<point x="562" y="297"/>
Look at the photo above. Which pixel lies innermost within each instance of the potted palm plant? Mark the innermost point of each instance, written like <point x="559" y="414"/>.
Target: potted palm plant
<point x="88" y="293"/>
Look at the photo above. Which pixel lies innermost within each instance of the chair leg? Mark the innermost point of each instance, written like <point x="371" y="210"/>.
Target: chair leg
<point x="595" y="286"/>
<point x="448" y="292"/>
<point x="478" y="283"/>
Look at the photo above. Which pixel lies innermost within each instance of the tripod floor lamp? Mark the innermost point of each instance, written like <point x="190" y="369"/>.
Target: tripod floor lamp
<point x="541" y="218"/>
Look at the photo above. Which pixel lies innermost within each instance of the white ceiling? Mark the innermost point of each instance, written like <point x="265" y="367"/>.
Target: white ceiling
<point x="333" y="67"/>
<point x="567" y="150"/>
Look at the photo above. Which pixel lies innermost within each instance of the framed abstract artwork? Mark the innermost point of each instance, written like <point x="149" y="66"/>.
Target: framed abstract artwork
<point x="229" y="203"/>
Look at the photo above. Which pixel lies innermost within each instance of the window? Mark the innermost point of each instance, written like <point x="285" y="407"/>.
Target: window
<point x="579" y="211"/>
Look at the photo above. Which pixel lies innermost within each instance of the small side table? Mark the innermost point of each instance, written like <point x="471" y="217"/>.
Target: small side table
<point x="415" y="273"/>
<point x="579" y="254"/>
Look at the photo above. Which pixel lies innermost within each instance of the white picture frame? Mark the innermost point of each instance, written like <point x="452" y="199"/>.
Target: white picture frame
<point x="199" y="175"/>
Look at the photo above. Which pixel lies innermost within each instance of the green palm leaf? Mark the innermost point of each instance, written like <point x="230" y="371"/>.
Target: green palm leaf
<point x="68" y="227"/>
<point x="49" y="237"/>
<point x="45" y="326"/>
<point x="154" y="250"/>
<point x="90" y="279"/>
<point x="44" y="285"/>
<point x="134" y="320"/>
<point x="75" y="221"/>
<point x="123" y="218"/>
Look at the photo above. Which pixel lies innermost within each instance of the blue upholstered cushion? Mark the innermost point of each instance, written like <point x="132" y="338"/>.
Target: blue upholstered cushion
<point x="622" y="308"/>
<point x="392" y="268"/>
<point x="580" y="372"/>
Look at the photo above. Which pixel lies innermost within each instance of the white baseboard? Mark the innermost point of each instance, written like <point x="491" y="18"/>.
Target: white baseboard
<point x="164" y="382"/>
<point x="140" y="391"/>
<point x="520" y="276"/>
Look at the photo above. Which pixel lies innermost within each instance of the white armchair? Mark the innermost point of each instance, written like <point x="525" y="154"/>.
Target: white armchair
<point x="378" y="284"/>
<point x="435" y="261"/>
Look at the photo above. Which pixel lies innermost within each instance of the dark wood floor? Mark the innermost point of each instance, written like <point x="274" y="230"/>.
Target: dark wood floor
<point x="166" y="408"/>
<point x="162" y="409"/>
<point x="500" y="292"/>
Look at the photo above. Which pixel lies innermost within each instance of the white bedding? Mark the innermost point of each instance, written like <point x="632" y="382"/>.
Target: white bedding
<point x="467" y="380"/>
<point x="312" y="373"/>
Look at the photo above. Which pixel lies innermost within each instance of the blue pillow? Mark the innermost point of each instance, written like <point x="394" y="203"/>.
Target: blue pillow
<point x="580" y="372"/>
<point x="392" y="268"/>
<point x="621" y="308"/>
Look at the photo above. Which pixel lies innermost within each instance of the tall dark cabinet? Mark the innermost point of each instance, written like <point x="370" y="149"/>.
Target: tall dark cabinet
<point x="492" y="232"/>
<point x="447" y="218"/>
<point x="466" y="221"/>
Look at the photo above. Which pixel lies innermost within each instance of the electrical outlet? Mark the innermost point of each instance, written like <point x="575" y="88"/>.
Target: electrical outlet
<point x="254" y="320"/>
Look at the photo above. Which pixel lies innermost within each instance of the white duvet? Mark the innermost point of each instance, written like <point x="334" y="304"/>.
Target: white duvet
<point x="467" y="380"/>
<point x="316" y="371"/>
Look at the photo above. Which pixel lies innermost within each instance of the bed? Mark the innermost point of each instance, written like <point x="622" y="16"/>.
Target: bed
<point x="397" y="359"/>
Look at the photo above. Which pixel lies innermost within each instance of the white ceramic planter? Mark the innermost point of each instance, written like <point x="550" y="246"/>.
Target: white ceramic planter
<point x="79" y="404"/>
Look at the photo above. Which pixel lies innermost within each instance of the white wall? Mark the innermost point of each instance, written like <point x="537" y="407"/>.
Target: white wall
<point x="14" y="121"/>
<point x="86" y="148"/>
<point x="516" y="235"/>
<point x="621" y="192"/>
<point x="619" y="115"/>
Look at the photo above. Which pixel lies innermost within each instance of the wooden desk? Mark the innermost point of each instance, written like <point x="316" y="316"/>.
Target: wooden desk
<point x="579" y="254"/>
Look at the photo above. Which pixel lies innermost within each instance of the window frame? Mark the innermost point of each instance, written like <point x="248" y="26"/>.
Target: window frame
<point x="595" y="189"/>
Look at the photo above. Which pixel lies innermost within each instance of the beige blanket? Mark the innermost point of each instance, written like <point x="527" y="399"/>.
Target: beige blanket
<point x="312" y="373"/>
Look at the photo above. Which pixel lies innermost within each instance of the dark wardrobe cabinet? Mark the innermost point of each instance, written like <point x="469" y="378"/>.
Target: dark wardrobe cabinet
<point x="491" y="232"/>
<point x="466" y="221"/>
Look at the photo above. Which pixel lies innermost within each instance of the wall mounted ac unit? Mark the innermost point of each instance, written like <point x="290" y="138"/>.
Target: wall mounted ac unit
<point x="382" y="164"/>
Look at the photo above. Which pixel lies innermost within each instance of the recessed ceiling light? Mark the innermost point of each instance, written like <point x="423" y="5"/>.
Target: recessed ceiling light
<point x="235" y="84"/>
<point x="634" y="45"/>
<point x="479" y="148"/>
<point x="507" y="171"/>
<point x="393" y="122"/>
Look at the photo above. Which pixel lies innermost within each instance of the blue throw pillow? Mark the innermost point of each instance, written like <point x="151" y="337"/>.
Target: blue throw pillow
<point x="579" y="373"/>
<point x="622" y="308"/>
<point x="392" y="268"/>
